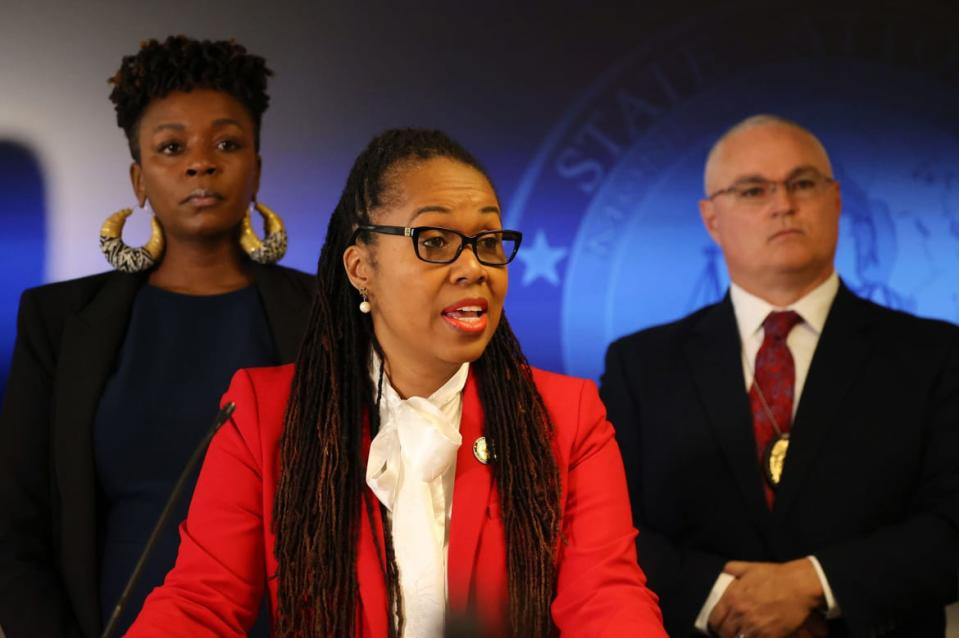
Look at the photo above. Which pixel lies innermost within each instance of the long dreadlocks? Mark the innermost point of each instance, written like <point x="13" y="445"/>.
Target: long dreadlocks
<point x="321" y="493"/>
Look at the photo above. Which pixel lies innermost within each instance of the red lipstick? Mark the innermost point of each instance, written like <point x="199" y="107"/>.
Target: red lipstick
<point x="467" y="315"/>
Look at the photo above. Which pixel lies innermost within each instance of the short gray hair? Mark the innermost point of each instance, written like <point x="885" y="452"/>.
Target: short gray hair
<point x="753" y="121"/>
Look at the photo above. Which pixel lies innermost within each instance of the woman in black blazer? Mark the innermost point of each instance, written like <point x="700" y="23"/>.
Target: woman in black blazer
<point x="116" y="377"/>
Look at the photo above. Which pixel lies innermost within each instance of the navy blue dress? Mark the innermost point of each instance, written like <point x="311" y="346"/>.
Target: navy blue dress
<point x="177" y="358"/>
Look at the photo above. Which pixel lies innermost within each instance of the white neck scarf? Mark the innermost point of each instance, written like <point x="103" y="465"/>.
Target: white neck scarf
<point x="411" y="455"/>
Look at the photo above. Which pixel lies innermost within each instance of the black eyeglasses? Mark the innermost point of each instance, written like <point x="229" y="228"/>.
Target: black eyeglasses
<point x="443" y="245"/>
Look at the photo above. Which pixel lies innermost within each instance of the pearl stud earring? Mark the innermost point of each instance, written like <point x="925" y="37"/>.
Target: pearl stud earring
<point x="365" y="304"/>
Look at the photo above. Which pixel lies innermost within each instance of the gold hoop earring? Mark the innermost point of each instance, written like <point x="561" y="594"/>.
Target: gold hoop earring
<point x="271" y="248"/>
<point x="123" y="257"/>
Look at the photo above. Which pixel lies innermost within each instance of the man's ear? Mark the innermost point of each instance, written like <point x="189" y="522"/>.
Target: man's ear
<point x="707" y="212"/>
<point x="359" y="266"/>
<point x="838" y="199"/>
<point x="136" y="180"/>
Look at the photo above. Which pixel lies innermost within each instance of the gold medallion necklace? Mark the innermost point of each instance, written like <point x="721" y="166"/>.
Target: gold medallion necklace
<point x="774" y="456"/>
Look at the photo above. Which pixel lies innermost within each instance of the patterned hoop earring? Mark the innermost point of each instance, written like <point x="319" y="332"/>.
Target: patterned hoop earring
<point x="271" y="248"/>
<point x="123" y="257"/>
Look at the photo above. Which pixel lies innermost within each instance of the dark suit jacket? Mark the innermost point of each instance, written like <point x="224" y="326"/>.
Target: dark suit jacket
<point x="68" y="336"/>
<point x="871" y="482"/>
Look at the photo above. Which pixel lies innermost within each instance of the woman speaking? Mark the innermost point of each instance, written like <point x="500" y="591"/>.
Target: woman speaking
<point x="411" y="467"/>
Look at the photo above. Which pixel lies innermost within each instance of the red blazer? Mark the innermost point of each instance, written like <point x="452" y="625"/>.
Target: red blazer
<point x="226" y="543"/>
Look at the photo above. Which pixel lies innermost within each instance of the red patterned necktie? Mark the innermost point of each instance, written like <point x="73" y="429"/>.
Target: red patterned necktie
<point x="775" y="374"/>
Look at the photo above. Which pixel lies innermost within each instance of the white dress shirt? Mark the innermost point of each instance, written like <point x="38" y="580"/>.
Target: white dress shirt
<point x="411" y="469"/>
<point x="750" y="313"/>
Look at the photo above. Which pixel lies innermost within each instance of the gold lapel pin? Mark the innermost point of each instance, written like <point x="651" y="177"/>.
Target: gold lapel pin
<point x="480" y="451"/>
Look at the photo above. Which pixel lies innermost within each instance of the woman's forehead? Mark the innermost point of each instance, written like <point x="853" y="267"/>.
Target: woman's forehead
<point x="437" y="187"/>
<point x="198" y="106"/>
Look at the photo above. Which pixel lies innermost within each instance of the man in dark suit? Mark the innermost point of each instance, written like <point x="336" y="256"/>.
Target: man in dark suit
<point x="793" y="450"/>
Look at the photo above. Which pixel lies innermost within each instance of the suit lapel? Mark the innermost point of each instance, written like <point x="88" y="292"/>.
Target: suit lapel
<point x="471" y="493"/>
<point x="287" y="309"/>
<point x="842" y="350"/>
<point x="90" y="343"/>
<point x="370" y="567"/>
<point x="714" y="355"/>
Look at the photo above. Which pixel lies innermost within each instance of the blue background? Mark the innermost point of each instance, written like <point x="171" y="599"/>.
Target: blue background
<point x="593" y="120"/>
<point x="23" y="220"/>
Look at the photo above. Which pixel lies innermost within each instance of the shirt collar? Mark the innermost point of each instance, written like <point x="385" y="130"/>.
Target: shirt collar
<point x="751" y="310"/>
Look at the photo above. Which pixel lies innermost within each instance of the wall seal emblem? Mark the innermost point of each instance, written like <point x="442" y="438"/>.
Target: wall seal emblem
<point x="610" y="200"/>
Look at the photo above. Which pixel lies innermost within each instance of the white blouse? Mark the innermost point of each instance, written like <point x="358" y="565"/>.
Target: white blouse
<point x="411" y="467"/>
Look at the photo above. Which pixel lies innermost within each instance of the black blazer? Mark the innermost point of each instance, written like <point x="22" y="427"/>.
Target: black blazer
<point x="871" y="482"/>
<point x="68" y="336"/>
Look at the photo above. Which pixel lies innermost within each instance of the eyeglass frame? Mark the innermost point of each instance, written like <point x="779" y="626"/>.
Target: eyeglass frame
<point x="775" y="183"/>
<point x="413" y="233"/>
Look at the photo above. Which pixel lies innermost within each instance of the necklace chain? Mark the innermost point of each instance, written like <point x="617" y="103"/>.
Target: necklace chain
<point x="759" y="391"/>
